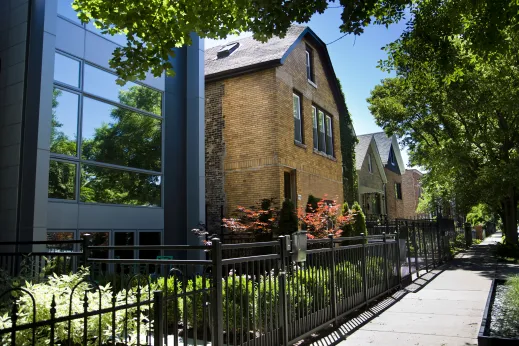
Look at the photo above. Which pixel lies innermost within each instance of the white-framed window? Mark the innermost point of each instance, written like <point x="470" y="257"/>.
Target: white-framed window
<point x="315" y="132"/>
<point x="329" y="136"/>
<point x="370" y="165"/>
<point x="298" y="134"/>
<point x="309" y="64"/>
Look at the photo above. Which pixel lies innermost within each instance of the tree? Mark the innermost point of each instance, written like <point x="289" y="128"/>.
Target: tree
<point x="155" y="27"/>
<point x="326" y="219"/>
<point x="453" y="102"/>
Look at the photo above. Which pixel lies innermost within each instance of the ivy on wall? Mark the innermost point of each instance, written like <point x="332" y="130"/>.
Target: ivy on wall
<point x="348" y="143"/>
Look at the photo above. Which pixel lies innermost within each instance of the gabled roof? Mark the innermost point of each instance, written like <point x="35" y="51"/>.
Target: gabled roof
<point x="251" y="53"/>
<point x="384" y="144"/>
<point x="361" y="151"/>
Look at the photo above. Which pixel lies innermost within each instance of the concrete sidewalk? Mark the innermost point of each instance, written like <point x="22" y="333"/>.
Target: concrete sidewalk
<point x="444" y="307"/>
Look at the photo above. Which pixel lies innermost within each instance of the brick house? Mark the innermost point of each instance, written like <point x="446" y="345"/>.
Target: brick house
<point x="371" y="176"/>
<point x="272" y="123"/>
<point x="411" y="191"/>
<point x="394" y="168"/>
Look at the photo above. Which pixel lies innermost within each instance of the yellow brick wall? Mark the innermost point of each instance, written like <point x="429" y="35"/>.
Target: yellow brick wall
<point x="316" y="174"/>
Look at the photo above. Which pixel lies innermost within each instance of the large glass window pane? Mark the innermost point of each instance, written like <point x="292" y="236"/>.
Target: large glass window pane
<point x="60" y="236"/>
<point x="118" y="38"/>
<point x="62" y="180"/>
<point x="149" y="238"/>
<point x="63" y="138"/>
<point x="115" y="135"/>
<point x="66" y="70"/>
<point x="107" y="185"/>
<point x="65" y="9"/>
<point x="102" y="83"/>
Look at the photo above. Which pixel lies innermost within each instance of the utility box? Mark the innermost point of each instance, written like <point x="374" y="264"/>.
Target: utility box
<point x="299" y="246"/>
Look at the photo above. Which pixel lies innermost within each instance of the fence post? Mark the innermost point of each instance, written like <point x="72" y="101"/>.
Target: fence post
<point x="384" y="248"/>
<point x="424" y="233"/>
<point x="217" y="303"/>
<point x="283" y="299"/>
<point x="158" y="322"/>
<point x="438" y="230"/>
<point x="333" y="288"/>
<point x="416" y="265"/>
<point x="399" y="265"/>
<point x="86" y="250"/>
<point x="52" y="317"/>
<point x="432" y="246"/>
<point x="364" y="270"/>
<point x="468" y="234"/>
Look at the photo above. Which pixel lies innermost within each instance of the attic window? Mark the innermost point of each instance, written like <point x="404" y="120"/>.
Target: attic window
<point x="226" y="50"/>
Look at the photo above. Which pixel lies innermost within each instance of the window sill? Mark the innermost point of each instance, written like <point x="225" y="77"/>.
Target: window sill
<point x="300" y="145"/>
<point x="320" y="153"/>
<point x="312" y="83"/>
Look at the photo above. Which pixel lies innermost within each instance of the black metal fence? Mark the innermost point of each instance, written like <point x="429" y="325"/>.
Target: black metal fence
<point x="265" y="299"/>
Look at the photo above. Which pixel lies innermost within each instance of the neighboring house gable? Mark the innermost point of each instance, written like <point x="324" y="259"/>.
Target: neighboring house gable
<point x="371" y="175"/>
<point x="390" y="152"/>
<point x="394" y="167"/>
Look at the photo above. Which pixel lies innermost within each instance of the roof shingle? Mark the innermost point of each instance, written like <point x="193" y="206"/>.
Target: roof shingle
<point x="384" y="146"/>
<point x="361" y="149"/>
<point x="251" y="52"/>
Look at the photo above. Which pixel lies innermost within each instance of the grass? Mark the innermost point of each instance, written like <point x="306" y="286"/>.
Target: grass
<point x="512" y="295"/>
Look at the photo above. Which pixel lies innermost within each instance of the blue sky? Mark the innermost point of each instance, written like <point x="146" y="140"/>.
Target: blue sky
<point x="355" y="62"/>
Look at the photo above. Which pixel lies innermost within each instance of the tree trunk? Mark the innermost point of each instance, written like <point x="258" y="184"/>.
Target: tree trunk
<point x="510" y="217"/>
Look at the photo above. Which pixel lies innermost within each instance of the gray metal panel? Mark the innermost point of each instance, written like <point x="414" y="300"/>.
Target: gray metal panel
<point x="125" y="217"/>
<point x="70" y="38"/>
<point x="175" y="193"/>
<point x="98" y="50"/>
<point x="62" y="215"/>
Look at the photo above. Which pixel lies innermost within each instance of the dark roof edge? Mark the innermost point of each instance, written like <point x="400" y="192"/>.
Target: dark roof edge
<point x="242" y="70"/>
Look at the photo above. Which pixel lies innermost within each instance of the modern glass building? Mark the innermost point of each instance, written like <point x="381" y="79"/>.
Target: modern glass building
<point x="81" y="154"/>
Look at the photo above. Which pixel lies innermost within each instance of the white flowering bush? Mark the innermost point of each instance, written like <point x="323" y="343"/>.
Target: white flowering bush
<point x="60" y="287"/>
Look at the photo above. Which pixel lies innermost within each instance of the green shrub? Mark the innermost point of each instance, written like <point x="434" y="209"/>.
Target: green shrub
<point x="308" y="288"/>
<point x="239" y="293"/>
<point x="507" y="250"/>
<point x="348" y="279"/>
<point x="356" y="228"/>
<point x="170" y="287"/>
<point x="359" y="226"/>
<point x="288" y="221"/>
<point x="375" y="273"/>
<point x="196" y="296"/>
<point x="311" y="204"/>
<point x="267" y="302"/>
<point x="61" y="287"/>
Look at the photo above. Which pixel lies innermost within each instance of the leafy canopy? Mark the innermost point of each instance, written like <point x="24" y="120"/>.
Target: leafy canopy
<point x="155" y="27"/>
<point x="453" y="100"/>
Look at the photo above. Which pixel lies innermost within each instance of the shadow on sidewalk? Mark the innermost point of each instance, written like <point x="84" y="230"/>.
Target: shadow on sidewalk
<point x="351" y="323"/>
<point x="477" y="258"/>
